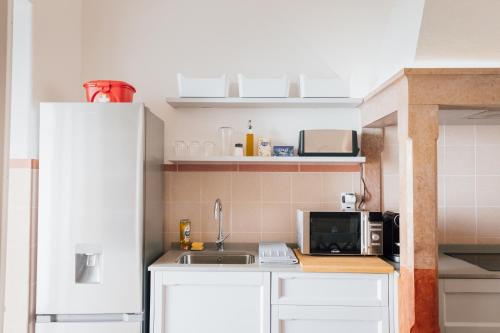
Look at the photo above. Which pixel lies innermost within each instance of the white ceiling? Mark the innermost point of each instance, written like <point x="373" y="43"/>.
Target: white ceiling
<point x="459" y="33"/>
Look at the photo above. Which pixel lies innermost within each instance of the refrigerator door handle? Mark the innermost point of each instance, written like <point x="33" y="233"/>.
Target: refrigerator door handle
<point x="45" y="319"/>
<point x="74" y="318"/>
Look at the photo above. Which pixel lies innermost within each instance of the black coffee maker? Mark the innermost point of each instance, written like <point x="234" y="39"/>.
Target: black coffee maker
<point x="391" y="235"/>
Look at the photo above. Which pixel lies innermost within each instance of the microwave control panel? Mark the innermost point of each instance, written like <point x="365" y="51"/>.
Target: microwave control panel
<point x="375" y="238"/>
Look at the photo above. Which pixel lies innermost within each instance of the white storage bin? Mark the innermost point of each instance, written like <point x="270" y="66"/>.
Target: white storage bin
<point x="319" y="87"/>
<point x="263" y="87"/>
<point x="196" y="87"/>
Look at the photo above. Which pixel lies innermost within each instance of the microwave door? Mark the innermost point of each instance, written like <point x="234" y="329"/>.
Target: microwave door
<point x="335" y="233"/>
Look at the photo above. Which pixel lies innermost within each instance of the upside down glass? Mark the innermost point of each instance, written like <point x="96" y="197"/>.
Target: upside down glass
<point x="225" y="136"/>
<point x="208" y="149"/>
<point x="180" y="148"/>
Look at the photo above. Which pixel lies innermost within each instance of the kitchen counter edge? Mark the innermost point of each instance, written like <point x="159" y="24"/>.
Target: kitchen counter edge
<point x="454" y="268"/>
<point x="168" y="262"/>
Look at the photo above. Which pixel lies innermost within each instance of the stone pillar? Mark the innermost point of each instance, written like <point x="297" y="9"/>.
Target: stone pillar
<point x="418" y="132"/>
<point x="372" y="145"/>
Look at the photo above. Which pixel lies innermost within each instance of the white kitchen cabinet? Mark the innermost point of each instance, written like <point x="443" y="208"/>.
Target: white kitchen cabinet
<point x="300" y="319"/>
<point x="222" y="302"/>
<point x="394" y="301"/>
<point x="342" y="289"/>
<point x="278" y="302"/>
<point x="331" y="302"/>
<point x="469" y="305"/>
<point x="86" y="327"/>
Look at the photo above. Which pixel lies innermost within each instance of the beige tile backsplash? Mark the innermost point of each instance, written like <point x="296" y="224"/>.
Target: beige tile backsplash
<point x="256" y="205"/>
<point x="261" y="205"/>
<point x="468" y="182"/>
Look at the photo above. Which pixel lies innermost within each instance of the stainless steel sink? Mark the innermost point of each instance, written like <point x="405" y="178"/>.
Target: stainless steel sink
<point x="215" y="258"/>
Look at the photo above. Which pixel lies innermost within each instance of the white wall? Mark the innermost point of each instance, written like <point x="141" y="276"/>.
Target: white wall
<point x="46" y="65"/>
<point x="147" y="45"/>
<point x="5" y="47"/>
<point x="362" y="41"/>
<point x="196" y="37"/>
<point x="400" y="38"/>
<point x="57" y="50"/>
<point x="24" y="115"/>
<point x="56" y="61"/>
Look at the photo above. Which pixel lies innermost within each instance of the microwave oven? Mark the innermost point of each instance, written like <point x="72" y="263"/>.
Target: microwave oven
<point x="339" y="232"/>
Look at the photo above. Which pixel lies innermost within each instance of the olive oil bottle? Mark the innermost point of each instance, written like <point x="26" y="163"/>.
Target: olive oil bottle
<point x="249" y="140"/>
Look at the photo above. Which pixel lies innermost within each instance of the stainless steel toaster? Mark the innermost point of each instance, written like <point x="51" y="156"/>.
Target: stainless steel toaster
<point x="328" y="142"/>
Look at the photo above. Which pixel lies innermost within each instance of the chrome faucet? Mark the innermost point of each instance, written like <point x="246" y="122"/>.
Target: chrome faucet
<point x="219" y="242"/>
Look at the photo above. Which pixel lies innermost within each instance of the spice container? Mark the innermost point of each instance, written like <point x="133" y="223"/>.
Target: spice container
<point x="264" y="147"/>
<point x="185" y="234"/>
<point x="238" y="149"/>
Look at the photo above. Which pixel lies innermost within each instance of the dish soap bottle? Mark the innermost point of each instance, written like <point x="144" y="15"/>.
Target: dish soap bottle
<point x="249" y="140"/>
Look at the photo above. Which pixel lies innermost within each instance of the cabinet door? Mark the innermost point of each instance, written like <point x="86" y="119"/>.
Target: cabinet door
<point x="338" y="289"/>
<point x="300" y="319"/>
<point x="469" y="305"/>
<point x="86" y="327"/>
<point x="222" y="302"/>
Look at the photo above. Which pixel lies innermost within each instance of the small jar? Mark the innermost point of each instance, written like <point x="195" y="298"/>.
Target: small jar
<point x="238" y="149"/>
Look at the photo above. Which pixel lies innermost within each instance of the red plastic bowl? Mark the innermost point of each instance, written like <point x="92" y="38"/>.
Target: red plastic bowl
<point x="109" y="91"/>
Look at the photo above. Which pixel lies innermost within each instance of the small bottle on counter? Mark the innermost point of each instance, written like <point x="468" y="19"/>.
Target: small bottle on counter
<point x="185" y="234"/>
<point x="249" y="140"/>
<point x="238" y="149"/>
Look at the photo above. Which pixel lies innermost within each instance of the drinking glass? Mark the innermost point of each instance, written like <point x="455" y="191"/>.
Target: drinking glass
<point x="225" y="135"/>
<point x="180" y="148"/>
<point x="208" y="148"/>
<point x="194" y="148"/>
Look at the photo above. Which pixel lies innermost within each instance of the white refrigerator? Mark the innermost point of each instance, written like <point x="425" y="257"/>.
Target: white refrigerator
<point x="100" y="218"/>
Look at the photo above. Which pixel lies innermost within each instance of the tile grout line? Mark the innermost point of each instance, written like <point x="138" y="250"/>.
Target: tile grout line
<point x="198" y="203"/>
<point x="445" y="219"/>
<point x="261" y="205"/>
<point x="230" y="222"/>
<point x="475" y="185"/>
<point x="290" y="206"/>
<point x="200" y="207"/>
<point x="290" y="199"/>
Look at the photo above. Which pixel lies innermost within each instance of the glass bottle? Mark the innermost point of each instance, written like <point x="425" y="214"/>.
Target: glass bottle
<point x="185" y="234"/>
<point x="249" y="140"/>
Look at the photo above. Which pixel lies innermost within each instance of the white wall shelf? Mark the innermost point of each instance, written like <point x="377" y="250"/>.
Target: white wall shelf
<point x="270" y="160"/>
<point x="237" y="102"/>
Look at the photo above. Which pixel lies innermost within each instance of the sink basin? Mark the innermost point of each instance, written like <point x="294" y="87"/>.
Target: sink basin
<point x="216" y="258"/>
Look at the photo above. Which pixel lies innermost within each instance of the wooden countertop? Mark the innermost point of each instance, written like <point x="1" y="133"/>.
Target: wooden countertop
<point x="341" y="264"/>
